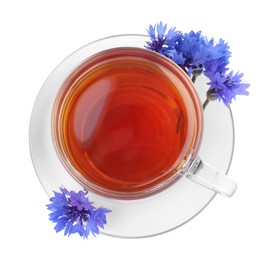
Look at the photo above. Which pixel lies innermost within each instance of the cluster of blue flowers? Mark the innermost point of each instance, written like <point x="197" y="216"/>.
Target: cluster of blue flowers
<point x="195" y="54"/>
<point x="74" y="213"/>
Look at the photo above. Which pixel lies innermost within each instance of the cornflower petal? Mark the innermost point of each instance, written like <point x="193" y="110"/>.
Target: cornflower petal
<point x="93" y="228"/>
<point x="56" y="214"/>
<point x="79" y="200"/>
<point x="172" y="38"/>
<point x="61" y="223"/>
<point x="227" y="87"/>
<point x="68" y="228"/>
<point x="74" y="213"/>
<point x="100" y="216"/>
<point x="161" y="29"/>
<point x="173" y="55"/>
<point x="160" y="39"/>
<point x="151" y="32"/>
<point x="78" y="228"/>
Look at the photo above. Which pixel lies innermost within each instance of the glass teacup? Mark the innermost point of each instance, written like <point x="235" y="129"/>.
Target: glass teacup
<point x="127" y="123"/>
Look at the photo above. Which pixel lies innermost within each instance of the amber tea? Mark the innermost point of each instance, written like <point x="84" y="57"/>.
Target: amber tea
<point x="123" y="120"/>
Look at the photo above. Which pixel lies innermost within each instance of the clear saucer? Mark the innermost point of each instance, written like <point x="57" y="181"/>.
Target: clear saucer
<point x="132" y="218"/>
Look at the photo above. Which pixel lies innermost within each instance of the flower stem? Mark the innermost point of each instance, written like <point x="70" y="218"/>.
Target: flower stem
<point x="206" y="102"/>
<point x="193" y="79"/>
<point x="184" y="69"/>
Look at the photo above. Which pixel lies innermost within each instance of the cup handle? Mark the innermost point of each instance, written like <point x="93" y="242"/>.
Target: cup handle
<point x="210" y="178"/>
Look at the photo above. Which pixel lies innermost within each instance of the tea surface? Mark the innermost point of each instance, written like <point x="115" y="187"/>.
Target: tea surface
<point x="124" y="123"/>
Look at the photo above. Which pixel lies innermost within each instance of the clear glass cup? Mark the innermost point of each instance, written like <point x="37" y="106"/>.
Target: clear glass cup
<point x="127" y="123"/>
<point x="136" y="62"/>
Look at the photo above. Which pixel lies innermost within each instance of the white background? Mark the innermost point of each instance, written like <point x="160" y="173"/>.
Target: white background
<point x="36" y="36"/>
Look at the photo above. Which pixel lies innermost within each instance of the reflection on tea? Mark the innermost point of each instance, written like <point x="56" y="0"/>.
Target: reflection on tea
<point x="123" y="121"/>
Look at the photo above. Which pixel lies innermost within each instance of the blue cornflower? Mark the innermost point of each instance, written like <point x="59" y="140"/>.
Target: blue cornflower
<point x="202" y="54"/>
<point x="73" y="212"/>
<point x="218" y="59"/>
<point x="160" y="40"/>
<point x="190" y="47"/>
<point x="195" y="54"/>
<point x="225" y="87"/>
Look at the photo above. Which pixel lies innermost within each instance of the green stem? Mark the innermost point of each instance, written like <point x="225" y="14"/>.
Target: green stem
<point x="185" y="70"/>
<point x="206" y="102"/>
<point x="193" y="79"/>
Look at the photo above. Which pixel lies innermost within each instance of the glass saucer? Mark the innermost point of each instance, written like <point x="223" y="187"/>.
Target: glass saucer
<point x="134" y="218"/>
